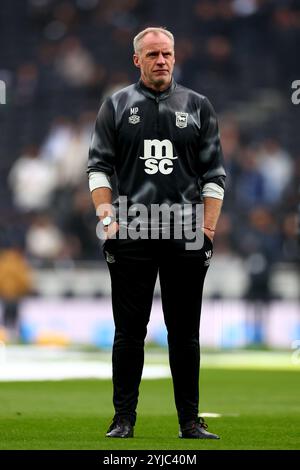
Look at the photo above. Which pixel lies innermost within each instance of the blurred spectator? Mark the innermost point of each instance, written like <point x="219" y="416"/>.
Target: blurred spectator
<point x="71" y="168"/>
<point x="66" y="148"/>
<point x="80" y="223"/>
<point x="244" y="7"/>
<point x="75" y="64"/>
<point x="249" y="189"/>
<point x="259" y="243"/>
<point x="15" y="283"/>
<point x="57" y="140"/>
<point x="44" y="240"/>
<point x="32" y="181"/>
<point x="276" y="167"/>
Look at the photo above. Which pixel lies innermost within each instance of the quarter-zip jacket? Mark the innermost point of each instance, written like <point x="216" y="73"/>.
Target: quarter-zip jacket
<point x="162" y="146"/>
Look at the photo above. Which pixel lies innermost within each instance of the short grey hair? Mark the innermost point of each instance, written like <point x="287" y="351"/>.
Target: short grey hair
<point x="138" y="38"/>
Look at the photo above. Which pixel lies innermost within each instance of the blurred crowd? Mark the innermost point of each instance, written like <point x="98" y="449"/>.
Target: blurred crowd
<point x="62" y="57"/>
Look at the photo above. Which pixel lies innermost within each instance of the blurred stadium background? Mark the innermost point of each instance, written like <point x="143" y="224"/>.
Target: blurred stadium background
<point x="58" y="60"/>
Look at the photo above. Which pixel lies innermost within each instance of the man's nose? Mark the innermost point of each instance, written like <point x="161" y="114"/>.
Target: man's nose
<point x="161" y="60"/>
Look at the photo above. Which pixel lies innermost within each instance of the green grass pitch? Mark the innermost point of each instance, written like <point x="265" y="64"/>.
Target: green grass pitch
<point x="260" y="410"/>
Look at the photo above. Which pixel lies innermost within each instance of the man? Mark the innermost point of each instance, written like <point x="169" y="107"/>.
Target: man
<point x="162" y="142"/>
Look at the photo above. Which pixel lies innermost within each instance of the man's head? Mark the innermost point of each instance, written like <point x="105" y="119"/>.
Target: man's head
<point x="154" y="56"/>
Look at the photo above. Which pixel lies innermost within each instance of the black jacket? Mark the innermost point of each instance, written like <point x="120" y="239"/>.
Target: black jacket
<point x="162" y="146"/>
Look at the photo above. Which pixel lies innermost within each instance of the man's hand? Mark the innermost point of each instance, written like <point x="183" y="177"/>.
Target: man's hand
<point x="110" y="230"/>
<point x="209" y="233"/>
<point x="103" y="205"/>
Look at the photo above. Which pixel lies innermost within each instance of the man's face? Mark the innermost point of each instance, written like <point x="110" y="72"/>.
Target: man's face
<point x="156" y="60"/>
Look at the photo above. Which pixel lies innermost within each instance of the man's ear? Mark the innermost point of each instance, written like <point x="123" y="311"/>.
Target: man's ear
<point x="136" y="60"/>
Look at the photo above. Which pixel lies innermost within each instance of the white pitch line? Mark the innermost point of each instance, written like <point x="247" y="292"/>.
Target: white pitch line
<point x="53" y="370"/>
<point x="219" y="415"/>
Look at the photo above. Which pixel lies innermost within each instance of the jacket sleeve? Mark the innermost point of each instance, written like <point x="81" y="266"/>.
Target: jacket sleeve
<point x="102" y="148"/>
<point x="210" y="158"/>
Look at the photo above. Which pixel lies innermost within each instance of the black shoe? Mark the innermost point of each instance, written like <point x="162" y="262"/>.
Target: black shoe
<point x="196" y="429"/>
<point x="120" y="427"/>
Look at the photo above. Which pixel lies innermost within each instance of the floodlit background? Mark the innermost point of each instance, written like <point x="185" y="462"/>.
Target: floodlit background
<point x="58" y="60"/>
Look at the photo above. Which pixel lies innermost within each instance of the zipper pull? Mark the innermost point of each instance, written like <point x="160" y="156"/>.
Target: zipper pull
<point x="157" y="99"/>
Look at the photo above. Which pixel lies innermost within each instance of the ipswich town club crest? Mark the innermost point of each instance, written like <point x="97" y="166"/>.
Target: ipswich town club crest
<point x="181" y="119"/>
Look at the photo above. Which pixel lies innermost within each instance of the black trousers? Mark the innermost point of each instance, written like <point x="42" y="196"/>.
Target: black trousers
<point x="134" y="266"/>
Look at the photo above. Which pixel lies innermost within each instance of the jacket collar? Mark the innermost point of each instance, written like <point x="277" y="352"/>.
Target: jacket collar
<point x="156" y="95"/>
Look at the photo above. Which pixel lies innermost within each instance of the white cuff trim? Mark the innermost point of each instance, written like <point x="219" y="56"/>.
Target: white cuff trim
<point x="213" y="190"/>
<point x="98" y="179"/>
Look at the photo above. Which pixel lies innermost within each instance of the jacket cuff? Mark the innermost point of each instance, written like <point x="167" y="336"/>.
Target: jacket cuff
<point x="213" y="190"/>
<point x="98" y="179"/>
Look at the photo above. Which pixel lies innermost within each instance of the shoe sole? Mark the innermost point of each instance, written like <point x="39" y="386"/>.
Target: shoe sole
<point x="119" y="437"/>
<point x="190" y="437"/>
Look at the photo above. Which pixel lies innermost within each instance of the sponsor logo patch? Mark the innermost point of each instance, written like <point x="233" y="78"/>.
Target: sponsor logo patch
<point x="134" y="119"/>
<point x="158" y="156"/>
